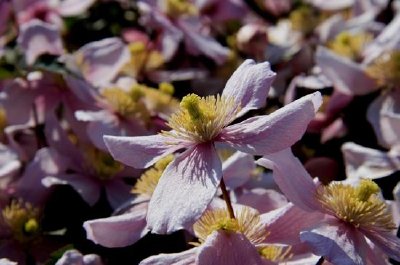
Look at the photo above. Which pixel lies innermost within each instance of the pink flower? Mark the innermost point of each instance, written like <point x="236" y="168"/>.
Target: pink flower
<point x="191" y="180"/>
<point x="350" y="214"/>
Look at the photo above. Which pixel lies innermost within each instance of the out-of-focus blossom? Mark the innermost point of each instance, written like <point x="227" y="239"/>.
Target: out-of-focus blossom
<point x="252" y="39"/>
<point x="74" y="257"/>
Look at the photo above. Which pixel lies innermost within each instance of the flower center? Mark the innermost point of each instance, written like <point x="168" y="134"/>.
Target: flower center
<point x="121" y="101"/>
<point x="350" y="45"/>
<point x="143" y="58"/>
<point x="275" y="253"/>
<point x="359" y="206"/>
<point x="174" y="8"/>
<point x="148" y="181"/>
<point x="103" y="164"/>
<point x="201" y="119"/>
<point x="304" y="19"/>
<point x="247" y="222"/>
<point x="386" y="69"/>
<point x="22" y="219"/>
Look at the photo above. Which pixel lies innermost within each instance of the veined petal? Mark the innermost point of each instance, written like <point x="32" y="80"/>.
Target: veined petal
<point x="387" y="242"/>
<point x="261" y="199"/>
<point x="249" y="85"/>
<point x="346" y="75"/>
<point x="140" y="151"/>
<point x="118" y="231"/>
<point x="337" y="242"/>
<point x="292" y="178"/>
<point x="185" y="189"/>
<point x="228" y="248"/>
<point x="272" y="133"/>
<point x="183" y="258"/>
<point x="285" y="224"/>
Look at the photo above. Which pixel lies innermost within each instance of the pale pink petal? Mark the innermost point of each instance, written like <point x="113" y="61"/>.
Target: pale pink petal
<point x="9" y="161"/>
<point x="337" y="242"/>
<point x="237" y="169"/>
<point x="185" y="189"/>
<point x="200" y="44"/>
<point x="74" y="7"/>
<point x="347" y="76"/>
<point x="285" y="224"/>
<point x="384" y="116"/>
<point x="47" y="162"/>
<point x="118" y="231"/>
<point x="117" y="192"/>
<point x="386" y="241"/>
<point x="84" y="185"/>
<point x="292" y="179"/>
<point x="249" y="85"/>
<point x="331" y="5"/>
<point x="336" y="129"/>
<point x="186" y="257"/>
<point x="363" y="162"/>
<point x="100" y="61"/>
<point x="140" y="151"/>
<point x="171" y="35"/>
<point x="271" y="133"/>
<point x="227" y="248"/>
<point x="37" y="38"/>
<point x="261" y="199"/>
<point x="74" y="257"/>
<point x="387" y="40"/>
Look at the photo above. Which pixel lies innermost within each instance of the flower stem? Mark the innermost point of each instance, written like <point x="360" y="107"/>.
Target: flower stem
<point x="227" y="199"/>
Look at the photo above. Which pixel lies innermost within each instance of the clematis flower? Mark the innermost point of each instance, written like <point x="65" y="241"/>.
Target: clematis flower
<point x="196" y="127"/>
<point x="351" y="214"/>
<point x="75" y="257"/>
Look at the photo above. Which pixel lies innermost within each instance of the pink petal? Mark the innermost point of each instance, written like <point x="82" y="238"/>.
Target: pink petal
<point x="271" y="133"/>
<point x="186" y="257"/>
<point x="9" y="161"/>
<point x="237" y="169"/>
<point x="140" y="151"/>
<point x="171" y="35"/>
<point x="84" y="185"/>
<point x="118" y="231"/>
<point x="199" y="44"/>
<point x="363" y="162"/>
<point x="292" y="179"/>
<point x="386" y="241"/>
<point x="228" y="248"/>
<point x="117" y="192"/>
<point x="384" y="116"/>
<point x="347" y="76"/>
<point x="74" y="7"/>
<point x="74" y="257"/>
<point x="100" y="61"/>
<point x="249" y="85"/>
<point x="387" y="40"/>
<point x="337" y="242"/>
<point x="186" y="187"/>
<point x="261" y="199"/>
<point x="285" y="224"/>
<point x="37" y="38"/>
<point x="332" y="5"/>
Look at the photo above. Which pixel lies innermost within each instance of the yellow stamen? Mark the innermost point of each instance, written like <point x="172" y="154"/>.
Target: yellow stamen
<point x="148" y="181"/>
<point x="174" y="8"/>
<point x="3" y="120"/>
<point x="202" y="119"/>
<point x="275" y="253"/>
<point x="22" y="219"/>
<point x="304" y="19"/>
<point x="103" y="164"/>
<point x="120" y="101"/>
<point x="166" y="88"/>
<point x="359" y="206"/>
<point x="386" y="69"/>
<point x="350" y="45"/>
<point x="247" y="222"/>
